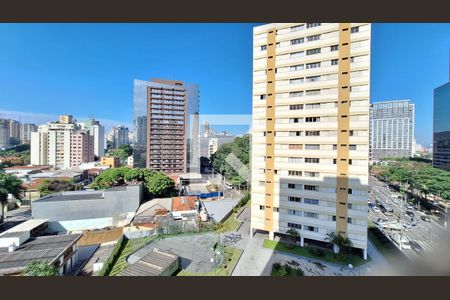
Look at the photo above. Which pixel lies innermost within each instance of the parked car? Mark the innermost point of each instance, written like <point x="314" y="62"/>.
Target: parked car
<point x="407" y="225"/>
<point x="425" y="218"/>
<point x="410" y="213"/>
<point x="376" y="209"/>
<point x="388" y="202"/>
<point x="396" y="201"/>
<point x="415" y="246"/>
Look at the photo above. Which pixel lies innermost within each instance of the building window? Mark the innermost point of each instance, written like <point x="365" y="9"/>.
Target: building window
<point x="313" y="51"/>
<point x="311" y="25"/>
<point x="261" y="207"/>
<point x="311" y="201"/>
<point x="276" y="209"/>
<point x="350" y="191"/>
<point x="312" y="228"/>
<point x="309" y="160"/>
<point x="262" y="97"/>
<point x="312" y="133"/>
<point x="298" y="27"/>
<point x="295" y="146"/>
<point x="313" y="78"/>
<point x="297" y="41"/>
<point x="294" y="225"/>
<point x="311" y="187"/>
<point x="294" y="173"/>
<point x="334" y="62"/>
<point x="296" y="68"/>
<point x="312" y="147"/>
<point x="352" y="147"/>
<point x="334" y="161"/>
<point x="263" y="47"/>
<point x="310" y="215"/>
<point x="294" y="212"/>
<point x="296" y="107"/>
<point x="296" y="94"/>
<point x="312" y="119"/>
<point x="297" y="54"/>
<point x="313" y="65"/>
<point x="291" y="185"/>
<point x="334" y="48"/>
<point x="313" y="38"/>
<point x="349" y="220"/>
<point x="294" y="199"/>
<point x="354" y="29"/>
<point x="334" y="218"/>
<point x="296" y="81"/>
<point x="312" y="105"/>
<point x="293" y="120"/>
<point x="295" y="133"/>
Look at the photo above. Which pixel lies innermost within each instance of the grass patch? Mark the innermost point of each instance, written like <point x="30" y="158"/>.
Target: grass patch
<point x="230" y="260"/>
<point x="285" y="270"/>
<point x="384" y="245"/>
<point x="231" y="223"/>
<point x="324" y="255"/>
<point x="131" y="246"/>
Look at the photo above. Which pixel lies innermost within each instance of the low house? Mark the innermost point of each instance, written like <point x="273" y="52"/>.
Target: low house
<point x="185" y="206"/>
<point x="24" y="243"/>
<point x="23" y="171"/>
<point x="150" y="211"/>
<point x="87" y="209"/>
<point x="156" y="263"/>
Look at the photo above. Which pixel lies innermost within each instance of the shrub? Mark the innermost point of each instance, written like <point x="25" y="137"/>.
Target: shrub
<point x="317" y="252"/>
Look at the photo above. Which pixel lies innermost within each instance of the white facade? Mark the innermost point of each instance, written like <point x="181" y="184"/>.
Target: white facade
<point x="305" y="62"/>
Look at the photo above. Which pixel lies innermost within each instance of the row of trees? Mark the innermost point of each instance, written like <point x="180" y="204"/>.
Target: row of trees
<point x="156" y="183"/>
<point x="240" y="147"/>
<point x="419" y="177"/>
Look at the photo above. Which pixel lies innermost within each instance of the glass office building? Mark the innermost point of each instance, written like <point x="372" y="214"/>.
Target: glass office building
<point x="441" y="127"/>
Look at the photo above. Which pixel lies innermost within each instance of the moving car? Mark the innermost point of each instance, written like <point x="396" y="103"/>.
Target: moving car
<point x="425" y="218"/>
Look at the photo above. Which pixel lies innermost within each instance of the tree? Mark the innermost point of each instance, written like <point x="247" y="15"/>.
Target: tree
<point x="40" y="268"/>
<point x="51" y="186"/>
<point x="159" y="185"/>
<point x="339" y="242"/>
<point x="123" y="152"/>
<point x="9" y="184"/>
<point x="294" y="234"/>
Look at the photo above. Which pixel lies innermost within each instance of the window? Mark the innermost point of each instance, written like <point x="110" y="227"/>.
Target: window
<point x="296" y="94"/>
<point x="276" y="209"/>
<point x="295" y="80"/>
<point x="312" y="133"/>
<point x="311" y="25"/>
<point x="354" y="29"/>
<point x="311" y="187"/>
<point x="311" y="160"/>
<point x="295" y="146"/>
<point x="313" y="51"/>
<point x="311" y="174"/>
<point x="313" y="78"/>
<point x="293" y="120"/>
<point x="312" y="228"/>
<point x="334" y="218"/>
<point x="295" y="133"/>
<point x="296" y="68"/>
<point x="262" y="97"/>
<point x="312" y="147"/>
<point x="312" y="105"/>
<point x="334" y="161"/>
<point x="350" y="162"/>
<point x="311" y="201"/>
<point x="312" y="119"/>
<point x="349" y="220"/>
<point x="334" y="62"/>
<point x="297" y="54"/>
<point x="313" y="92"/>
<point x="296" y="107"/>
<point x="294" y="173"/>
<point x="313" y="38"/>
<point x="313" y="65"/>
<point x="350" y="206"/>
<point x="297" y="41"/>
<point x="334" y="48"/>
<point x="263" y="47"/>
<point x="294" y="212"/>
<point x="294" y="225"/>
<point x="298" y="27"/>
<point x="310" y="215"/>
<point x="294" y="199"/>
<point x="352" y="147"/>
<point x="351" y="132"/>
<point x="350" y="191"/>
<point x="296" y="160"/>
<point x="261" y="207"/>
<point x="291" y="185"/>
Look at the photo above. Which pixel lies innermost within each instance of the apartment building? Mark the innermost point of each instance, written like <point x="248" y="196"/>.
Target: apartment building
<point x="4" y="133"/>
<point x="310" y="140"/>
<point x="10" y="133"/>
<point x="120" y="136"/>
<point x="97" y="131"/>
<point x="169" y="110"/>
<point x="391" y="130"/>
<point x="441" y="127"/>
<point x="26" y="130"/>
<point x="61" y="144"/>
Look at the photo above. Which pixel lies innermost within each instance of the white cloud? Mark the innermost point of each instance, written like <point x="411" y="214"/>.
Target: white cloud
<point x="38" y="118"/>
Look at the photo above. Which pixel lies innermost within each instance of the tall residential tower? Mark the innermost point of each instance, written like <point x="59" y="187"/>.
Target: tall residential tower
<point x="310" y="140"/>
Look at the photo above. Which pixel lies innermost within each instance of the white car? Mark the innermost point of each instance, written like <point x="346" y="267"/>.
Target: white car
<point x="376" y="209"/>
<point x="395" y="200"/>
<point x="388" y="202"/>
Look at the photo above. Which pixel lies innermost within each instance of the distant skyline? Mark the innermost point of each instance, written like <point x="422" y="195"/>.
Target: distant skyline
<point x="88" y="69"/>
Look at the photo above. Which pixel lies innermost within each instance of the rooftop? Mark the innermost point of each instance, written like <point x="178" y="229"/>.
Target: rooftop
<point x="183" y="203"/>
<point x="25" y="226"/>
<point x="38" y="248"/>
<point x="71" y="196"/>
<point x="152" y="264"/>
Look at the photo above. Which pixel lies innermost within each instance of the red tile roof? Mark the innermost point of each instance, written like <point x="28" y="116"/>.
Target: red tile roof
<point x="183" y="203"/>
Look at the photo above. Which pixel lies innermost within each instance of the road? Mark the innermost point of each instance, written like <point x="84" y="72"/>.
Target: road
<point x="426" y="236"/>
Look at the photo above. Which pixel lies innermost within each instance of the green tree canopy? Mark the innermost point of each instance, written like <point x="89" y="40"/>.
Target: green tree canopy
<point x="9" y="184"/>
<point x="50" y="186"/>
<point x="40" y="268"/>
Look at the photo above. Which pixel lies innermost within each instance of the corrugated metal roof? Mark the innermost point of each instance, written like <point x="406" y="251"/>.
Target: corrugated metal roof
<point x="25" y="226"/>
<point x="152" y="264"/>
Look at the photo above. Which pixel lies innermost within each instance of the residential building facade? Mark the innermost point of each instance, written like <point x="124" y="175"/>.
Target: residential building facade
<point x="441" y="127"/>
<point x="169" y="110"/>
<point x="310" y="131"/>
<point x="26" y="131"/>
<point x="82" y="148"/>
<point x="96" y="130"/>
<point x="120" y="136"/>
<point x="391" y="130"/>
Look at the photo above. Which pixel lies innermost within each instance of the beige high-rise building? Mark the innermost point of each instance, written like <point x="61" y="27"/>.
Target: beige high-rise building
<point x="310" y="142"/>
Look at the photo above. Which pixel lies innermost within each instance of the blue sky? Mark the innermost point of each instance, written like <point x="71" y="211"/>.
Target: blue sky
<point x="88" y="69"/>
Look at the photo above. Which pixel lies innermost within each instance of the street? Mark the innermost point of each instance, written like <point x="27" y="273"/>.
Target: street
<point x="423" y="237"/>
